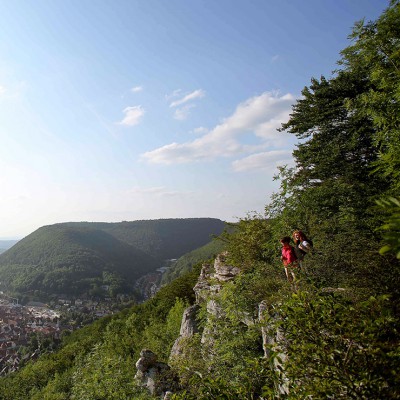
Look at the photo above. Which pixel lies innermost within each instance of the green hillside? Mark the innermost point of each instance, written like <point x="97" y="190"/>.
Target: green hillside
<point x="185" y="263"/>
<point x="77" y="258"/>
<point x="61" y="260"/>
<point x="161" y="238"/>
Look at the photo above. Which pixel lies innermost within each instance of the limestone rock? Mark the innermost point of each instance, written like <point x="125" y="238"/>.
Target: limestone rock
<point x="189" y="323"/>
<point x="223" y="271"/>
<point x="146" y="360"/>
<point x="189" y="327"/>
<point x="202" y="286"/>
<point x="277" y="341"/>
<point x="152" y="374"/>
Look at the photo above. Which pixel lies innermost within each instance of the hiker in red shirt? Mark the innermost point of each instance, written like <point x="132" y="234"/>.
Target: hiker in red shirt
<point x="288" y="258"/>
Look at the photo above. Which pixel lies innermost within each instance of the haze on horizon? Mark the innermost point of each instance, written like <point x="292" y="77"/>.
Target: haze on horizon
<point x="131" y="110"/>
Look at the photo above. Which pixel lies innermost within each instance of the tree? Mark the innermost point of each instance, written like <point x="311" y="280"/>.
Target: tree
<point x="376" y="52"/>
<point x="332" y="189"/>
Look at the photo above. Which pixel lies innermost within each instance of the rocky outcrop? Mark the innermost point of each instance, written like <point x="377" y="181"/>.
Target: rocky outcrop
<point x="203" y="287"/>
<point x="223" y="271"/>
<point x="212" y="278"/>
<point x="273" y="341"/>
<point x="153" y="375"/>
<point x="209" y="284"/>
<point x="189" y="327"/>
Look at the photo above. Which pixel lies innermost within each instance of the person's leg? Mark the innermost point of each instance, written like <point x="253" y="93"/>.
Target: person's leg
<point x="293" y="279"/>
<point x="288" y="274"/>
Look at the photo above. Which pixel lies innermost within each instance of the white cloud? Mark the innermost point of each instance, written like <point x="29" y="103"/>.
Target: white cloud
<point x="258" y="117"/>
<point x="266" y="161"/>
<point x="197" y="94"/>
<point x="136" y="89"/>
<point x="133" y="115"/>
<point x="200" y="130"/>
<point x="183" y="112"/>
<point x="174" y="94"/>
<point x="2" y="90"/>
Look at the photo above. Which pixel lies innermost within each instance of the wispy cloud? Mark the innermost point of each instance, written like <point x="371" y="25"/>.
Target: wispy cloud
<point x="183" y="113"/>
<point x="2" y="89"/>
<point x="197" y="94"/>
<point x="266" y="161"/>
<point x="160" y="191"/>
<point x="133" y="115"/>
<point x="173" y="95"/>
<point x="258" y="117"/>
<point x="137" y="89"/>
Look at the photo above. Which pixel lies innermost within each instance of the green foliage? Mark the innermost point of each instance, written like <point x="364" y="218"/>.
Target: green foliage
<point x="332" y="191"/>
<point x="61" y="260"/>
<point x="336" y="348"/>
<point x="375" y="53"/>
<point x="159" y="336"/>
<point x="391" y="229"/>
<point x="248" y="243"/>
<point x="103" y="374"/>
<point x="256" y="374"/>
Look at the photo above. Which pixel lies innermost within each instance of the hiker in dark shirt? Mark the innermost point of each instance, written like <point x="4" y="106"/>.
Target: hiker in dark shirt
<point x="303" y="245"/>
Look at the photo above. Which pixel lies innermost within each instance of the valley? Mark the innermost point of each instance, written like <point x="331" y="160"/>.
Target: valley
<point x="66" y="276"/>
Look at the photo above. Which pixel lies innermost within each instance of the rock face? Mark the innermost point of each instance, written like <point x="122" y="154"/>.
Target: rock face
<point x="153" y="375"/>
<point x="207" y="288"/>
<point x="189" y="327"/>
<point x="212" y="278"/>
<point x="224" y="272"/>
<point x="272" y="341"/>
<point x="209" y="284"/>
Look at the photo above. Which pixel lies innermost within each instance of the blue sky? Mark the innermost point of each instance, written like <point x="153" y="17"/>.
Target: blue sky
<point x="125" y="110"/>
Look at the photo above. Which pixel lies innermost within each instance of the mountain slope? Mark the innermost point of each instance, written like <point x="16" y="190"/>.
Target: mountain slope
<point x="78" y="258"/>
<point x="161" y="238"/>
<point x="185" y="263"/>
<point x="59" y="259"/>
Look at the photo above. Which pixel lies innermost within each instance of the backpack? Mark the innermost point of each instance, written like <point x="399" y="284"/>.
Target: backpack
<point x="309" y="241"/>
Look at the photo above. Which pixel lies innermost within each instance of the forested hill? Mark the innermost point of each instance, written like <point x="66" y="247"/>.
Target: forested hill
<point x="161" y="238"/>
<point x="76" y="258"/>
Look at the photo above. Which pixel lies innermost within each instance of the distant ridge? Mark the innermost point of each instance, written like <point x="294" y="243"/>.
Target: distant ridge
<point x="78" y="258"/>
<point x="161" y="238"/>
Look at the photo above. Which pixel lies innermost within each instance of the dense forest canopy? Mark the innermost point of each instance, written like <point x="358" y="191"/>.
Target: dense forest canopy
<point x="340" y="321"/>
<point x="161" y="238"/>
